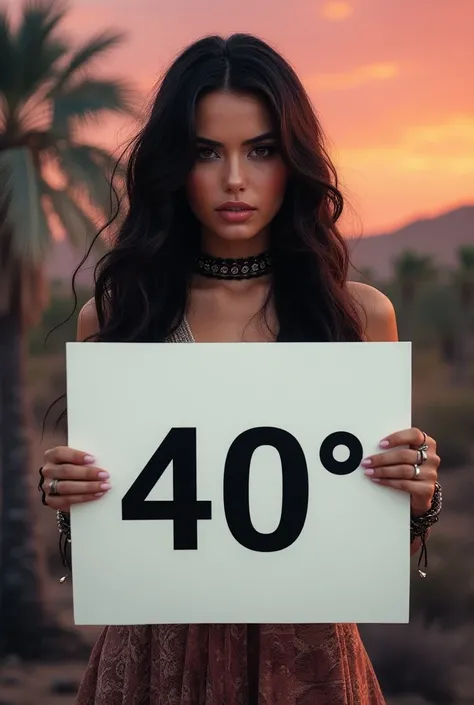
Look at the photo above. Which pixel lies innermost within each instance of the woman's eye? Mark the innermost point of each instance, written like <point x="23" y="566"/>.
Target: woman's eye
<point x="264" y="151"/>
<point x="205" y="153"/>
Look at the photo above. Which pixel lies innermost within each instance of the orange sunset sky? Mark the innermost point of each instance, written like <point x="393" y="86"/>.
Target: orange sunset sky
<point x="391" y="80"/>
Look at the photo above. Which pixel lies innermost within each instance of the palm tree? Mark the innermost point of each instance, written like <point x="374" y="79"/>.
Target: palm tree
<point x="412" y="270"/>
<point x="367" y="275"/>
<point x="465" y="277"/>
<point x="47" y="91"/>
<point x="464" y="286"/>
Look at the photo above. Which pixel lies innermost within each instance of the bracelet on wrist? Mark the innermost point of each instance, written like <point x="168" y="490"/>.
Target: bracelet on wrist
<point x="420" y="525"/>
<point x="64" y="527"/>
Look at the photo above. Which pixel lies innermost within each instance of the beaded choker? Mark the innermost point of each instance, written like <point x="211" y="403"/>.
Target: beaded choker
<point x="229" y="268"/>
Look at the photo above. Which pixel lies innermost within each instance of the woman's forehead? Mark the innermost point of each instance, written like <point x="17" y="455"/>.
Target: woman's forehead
<point x="224" y="116"/>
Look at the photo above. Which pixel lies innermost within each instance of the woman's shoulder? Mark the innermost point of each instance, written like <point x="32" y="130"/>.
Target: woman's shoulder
<point x="87" y="321"/>
<point x="377" y="312"/>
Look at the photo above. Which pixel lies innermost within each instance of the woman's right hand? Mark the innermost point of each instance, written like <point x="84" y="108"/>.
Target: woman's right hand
<point x="79" y="480"/>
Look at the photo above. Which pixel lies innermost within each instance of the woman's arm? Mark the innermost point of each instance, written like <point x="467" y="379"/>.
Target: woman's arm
<point x="380" y="324"/>
<point x="72" y="472"/>
<point x="376" y="312"/>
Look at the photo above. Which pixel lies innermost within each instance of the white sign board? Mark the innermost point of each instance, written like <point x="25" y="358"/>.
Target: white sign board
<point x="237" y="492"/>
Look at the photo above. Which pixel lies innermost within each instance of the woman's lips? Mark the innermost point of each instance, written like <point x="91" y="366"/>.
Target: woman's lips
<point x="235" y="211"/>
<point x="234" y="215"/>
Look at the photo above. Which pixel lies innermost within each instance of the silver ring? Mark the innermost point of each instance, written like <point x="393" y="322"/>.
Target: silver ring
<point x="416" y="472"/>
<point x="53" y="488"/>
<point x="423" y="455"/>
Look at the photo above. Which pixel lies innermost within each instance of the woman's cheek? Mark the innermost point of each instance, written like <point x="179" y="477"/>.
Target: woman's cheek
<point x="276" y="187"/>
<point x="275" y="181"/>
<point x="198" y="190"/>
<point x="193" y="185"/>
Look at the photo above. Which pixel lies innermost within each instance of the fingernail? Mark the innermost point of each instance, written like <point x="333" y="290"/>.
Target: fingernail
<point x="366" y="462"/>
<point x="89" y="459"/>
<point x="375" y="479"/>
<point x="369" y="472"/>
<point x="99" y="494"/>
<point x="103" y="475"/>
<point x="384" y="444"/>
<point x="105" y="486"/>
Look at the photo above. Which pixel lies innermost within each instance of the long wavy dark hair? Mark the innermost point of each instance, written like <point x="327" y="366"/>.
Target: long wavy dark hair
<point x="142" y="283"/>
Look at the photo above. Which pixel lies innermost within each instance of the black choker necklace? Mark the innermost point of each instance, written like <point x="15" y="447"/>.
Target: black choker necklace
<point x="229" y="268"/>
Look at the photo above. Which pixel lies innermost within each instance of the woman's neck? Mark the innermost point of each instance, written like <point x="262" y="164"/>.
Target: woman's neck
<point x="221" y="248"/>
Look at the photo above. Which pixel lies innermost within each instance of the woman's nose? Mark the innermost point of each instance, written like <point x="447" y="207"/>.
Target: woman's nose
<point x="234" y="177"/>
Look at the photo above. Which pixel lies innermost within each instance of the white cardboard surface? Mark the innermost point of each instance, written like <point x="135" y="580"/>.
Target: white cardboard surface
<point x="351" y="561"/>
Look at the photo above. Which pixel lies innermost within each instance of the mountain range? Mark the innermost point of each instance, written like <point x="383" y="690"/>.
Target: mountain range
<point x="439" y="237"/>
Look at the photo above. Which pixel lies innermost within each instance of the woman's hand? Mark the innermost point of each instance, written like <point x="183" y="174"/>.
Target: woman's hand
<point x="77" y="479"/>
<point x="396" y="467"/>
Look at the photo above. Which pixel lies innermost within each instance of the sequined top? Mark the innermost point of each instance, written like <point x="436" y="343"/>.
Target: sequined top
<point x="182" y="334"/>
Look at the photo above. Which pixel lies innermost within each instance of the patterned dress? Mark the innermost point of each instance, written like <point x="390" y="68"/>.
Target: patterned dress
<point x="229" y="664"/>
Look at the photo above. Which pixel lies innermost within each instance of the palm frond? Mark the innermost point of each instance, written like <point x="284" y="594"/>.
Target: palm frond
<point x="109" y="163"/>
<point x="85" y="168"/>
<point x="45" y="92"/>
<point x="80" y="229"/>
<point x="25" y="218"/>
<point x="90" y="99"/>
<point x="48" y="13"/>
<point x="83" y="57"/>
<point x="38" y="49"/>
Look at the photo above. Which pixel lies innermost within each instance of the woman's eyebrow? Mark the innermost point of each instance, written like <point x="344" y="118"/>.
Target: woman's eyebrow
<point x="252" y="140"/>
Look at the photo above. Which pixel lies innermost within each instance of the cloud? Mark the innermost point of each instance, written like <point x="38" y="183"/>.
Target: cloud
<point x="381" y="71"/>
<point x="452" y="140"/>
<point x="441" y="148"/>
<point x="430" y="166"/>
<point x="337" y="10"/>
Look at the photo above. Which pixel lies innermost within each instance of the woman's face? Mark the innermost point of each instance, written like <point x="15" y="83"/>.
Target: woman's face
<point x="238" y="163"/>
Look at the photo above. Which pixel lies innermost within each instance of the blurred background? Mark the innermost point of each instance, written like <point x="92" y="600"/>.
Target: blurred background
<point x="392" y="84"/>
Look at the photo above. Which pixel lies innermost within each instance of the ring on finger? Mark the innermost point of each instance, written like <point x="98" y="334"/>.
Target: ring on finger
<point x="416" y="471"/>
<point x="422" y="456"/>
<point x="53" y="488"/>
<point x="423" y="445"/>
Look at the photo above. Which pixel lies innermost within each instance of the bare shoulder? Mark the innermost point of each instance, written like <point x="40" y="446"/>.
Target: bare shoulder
<point x="87" y="322"/>
<point x="377" y="312"/>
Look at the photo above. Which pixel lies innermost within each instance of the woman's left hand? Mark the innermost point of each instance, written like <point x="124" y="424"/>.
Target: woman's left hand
<point x="396" y="467"/>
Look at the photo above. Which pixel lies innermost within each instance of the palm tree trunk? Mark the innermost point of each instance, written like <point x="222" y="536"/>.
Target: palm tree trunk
<point x="22" y="607"/>
<point x="27" y="627"/>
<point x="461" y="358"/>
<point x="407" y="318"/>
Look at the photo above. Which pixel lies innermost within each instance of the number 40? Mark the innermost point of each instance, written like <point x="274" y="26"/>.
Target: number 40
<point x="180" y="448"/>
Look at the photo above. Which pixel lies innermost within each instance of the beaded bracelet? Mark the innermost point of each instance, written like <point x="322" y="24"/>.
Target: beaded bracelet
<point x="64" y="527"/>
<point x="419" y="526"/>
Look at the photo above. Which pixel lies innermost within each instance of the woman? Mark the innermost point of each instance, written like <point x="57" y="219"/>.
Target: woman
<point x="230" y="235"/>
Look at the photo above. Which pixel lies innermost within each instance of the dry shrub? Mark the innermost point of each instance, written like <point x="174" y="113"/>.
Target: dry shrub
<point x="411" y="660"/>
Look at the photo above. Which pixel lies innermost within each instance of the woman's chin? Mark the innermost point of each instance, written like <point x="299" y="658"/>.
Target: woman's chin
<point x="239" y="233"/>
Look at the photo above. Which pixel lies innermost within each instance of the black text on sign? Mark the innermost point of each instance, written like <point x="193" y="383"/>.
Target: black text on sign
<point x="179" y="448"/>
